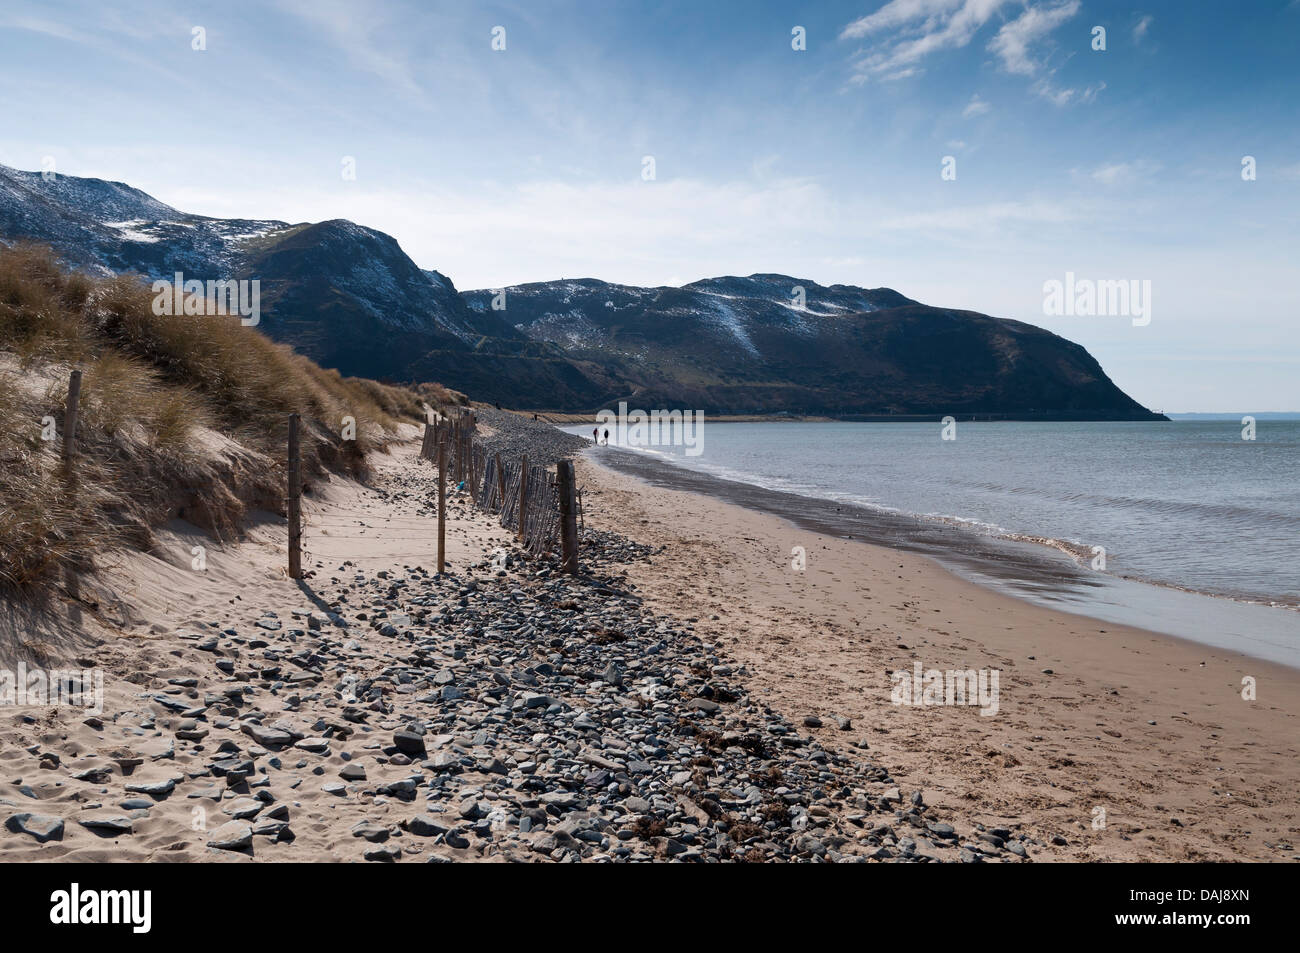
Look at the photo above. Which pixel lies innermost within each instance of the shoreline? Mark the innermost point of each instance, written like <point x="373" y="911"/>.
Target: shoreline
<point x="572" y="420"/>
<point x="1040" y="570"/>
<point x="1147" y="727"/>
<point x="569" y="418"/>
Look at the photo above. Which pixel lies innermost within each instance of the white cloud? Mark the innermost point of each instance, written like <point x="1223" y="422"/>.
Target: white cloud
<point x="123" y="33"/>
<point x="487" y="234"/>
<point x="920" y="27"/>
<point x="364" y="35"/>
<point x="1120" y="173"/>
<point x="904" y="32"/>
<point x="1064" y="96"/>
<point x="897" y="13"/>
<point x="1140" y="30"/>
<point x="1110" y="174"/>
<point x="1014" y="41"/>
<point x="985" y="218"/>
<point x="976" y="107"/>
<point x="1090" y="93"/>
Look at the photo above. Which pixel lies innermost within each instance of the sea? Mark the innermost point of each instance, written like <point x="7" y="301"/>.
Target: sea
<point x="1185" y="527"/>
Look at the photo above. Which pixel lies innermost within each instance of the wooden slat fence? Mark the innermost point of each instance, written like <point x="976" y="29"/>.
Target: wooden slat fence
<point x="494" y="485"/>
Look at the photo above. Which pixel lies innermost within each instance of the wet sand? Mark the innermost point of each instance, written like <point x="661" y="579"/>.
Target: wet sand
<point x="1049" y="573"/>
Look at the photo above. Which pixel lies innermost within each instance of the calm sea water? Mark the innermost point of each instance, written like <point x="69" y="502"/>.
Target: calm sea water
<point x="1188" y="505"/>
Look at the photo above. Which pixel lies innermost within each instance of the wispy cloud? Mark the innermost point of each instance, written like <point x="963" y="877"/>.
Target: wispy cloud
<point x="918" y="28"/>
<point x="1119" y="173"/>
<point x="111" y="32"/>
<point x="364" y="34"/>
<point x="976" y="107"/>
<point x="96" y="27"/>
<point x="1065" y="95"/>
<point x="898" y="13"/>
<point x="975" y="220"/>
<point x="1013" y="43"/>
<point x="1140" y="31"/>
<point x="903" y="33"/>
<point x="492" y="233"/>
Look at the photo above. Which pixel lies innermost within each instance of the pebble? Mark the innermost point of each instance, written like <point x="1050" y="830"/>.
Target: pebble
<point x="43" y="827"/>
<point x="107" y="825"/>
<point x="156" y="789"/>
<point x="234" y="835"/>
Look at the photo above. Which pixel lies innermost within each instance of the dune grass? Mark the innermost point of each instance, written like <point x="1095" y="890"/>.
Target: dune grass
<point x="179" y="415"/>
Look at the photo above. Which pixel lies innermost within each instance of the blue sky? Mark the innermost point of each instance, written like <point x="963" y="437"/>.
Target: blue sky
<point x="525" y="164"/>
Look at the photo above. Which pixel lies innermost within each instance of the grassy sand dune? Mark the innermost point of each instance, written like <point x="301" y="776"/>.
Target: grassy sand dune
<point x="180" y="416"/>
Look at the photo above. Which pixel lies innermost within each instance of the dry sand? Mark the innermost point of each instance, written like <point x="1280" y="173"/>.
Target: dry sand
<point x="131" y="627"/>
<point x="1150" y="729"/>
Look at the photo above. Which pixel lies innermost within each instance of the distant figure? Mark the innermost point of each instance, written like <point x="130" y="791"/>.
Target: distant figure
<point x="607" y="436"/>
<point x="595" y="435"/>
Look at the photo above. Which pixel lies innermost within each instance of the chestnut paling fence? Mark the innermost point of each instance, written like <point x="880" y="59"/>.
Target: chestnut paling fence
<point x="539" y="506"/>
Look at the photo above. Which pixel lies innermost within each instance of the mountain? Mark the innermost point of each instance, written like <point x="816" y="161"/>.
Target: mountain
<point x="772" y="343"/>
<point x="348" y="297"/>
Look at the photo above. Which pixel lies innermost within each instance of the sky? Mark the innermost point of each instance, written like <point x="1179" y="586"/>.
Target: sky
<point x="962" y="152"/>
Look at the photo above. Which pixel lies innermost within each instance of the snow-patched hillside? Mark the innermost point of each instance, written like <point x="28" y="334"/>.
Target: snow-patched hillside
<point x="730" y="313"/>
<point x="350" y="298"/>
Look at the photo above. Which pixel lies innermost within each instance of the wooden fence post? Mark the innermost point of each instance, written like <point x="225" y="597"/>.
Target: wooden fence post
<point x="523" y="495"/>
<point x="501" y="482"/>
<point x="442" y="507"/>
<point x="70" y="418"/>
<point x="295" y="501"/>
<point x="459" y="435"/>
<point x="568" y="516"/>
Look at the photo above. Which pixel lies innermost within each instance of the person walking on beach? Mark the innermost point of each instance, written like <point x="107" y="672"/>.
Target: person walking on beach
<point x="607" y="436"/>
<point x="595" y="435"/>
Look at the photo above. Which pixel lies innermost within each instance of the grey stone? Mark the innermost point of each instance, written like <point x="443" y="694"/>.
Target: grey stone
<point x="408" y="742"/>
<point x="371" y="831"/>
<point x="426" y="825"/>
<point x="107" y="825"/>
<point x="43" y="827"/>
<point x="233" y="835"/>
<point x="156" y="789"/>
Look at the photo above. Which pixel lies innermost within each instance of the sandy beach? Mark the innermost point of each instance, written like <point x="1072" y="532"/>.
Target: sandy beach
<point x="377" y="712"/>
<point x="227" y="719"/>
<point x="1093" y="717"/>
